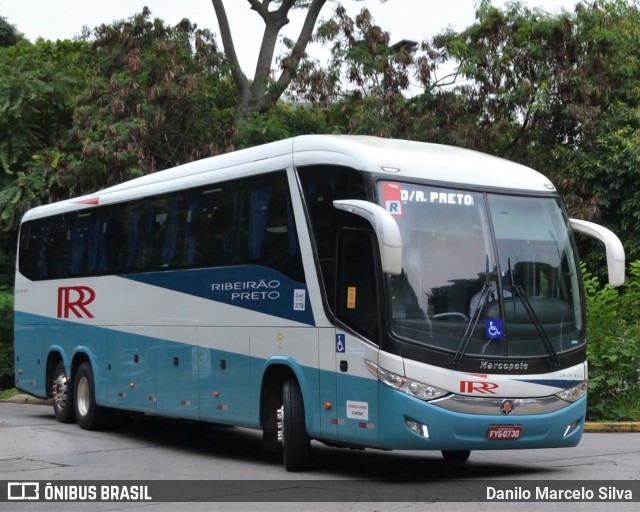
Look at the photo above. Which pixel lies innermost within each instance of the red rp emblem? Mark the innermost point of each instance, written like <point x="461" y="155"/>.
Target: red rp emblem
<point x="74" y="299"/>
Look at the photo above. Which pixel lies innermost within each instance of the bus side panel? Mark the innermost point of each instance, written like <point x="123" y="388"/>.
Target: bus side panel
<point x="358" y="410"/>
<point x="36" y="337"/>
<point x="176" y="373"/>
<point x="224" y="377"/>
<point x="328" y="384"/>
<point x="30" y="368"/>
<point x="135" y="370"/>
<point x="297" y="349"/>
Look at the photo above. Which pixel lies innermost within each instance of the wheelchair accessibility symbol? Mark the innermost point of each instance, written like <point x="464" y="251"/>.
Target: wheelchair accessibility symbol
<point x="493" y="328"/>
<point x="341" y="343"/>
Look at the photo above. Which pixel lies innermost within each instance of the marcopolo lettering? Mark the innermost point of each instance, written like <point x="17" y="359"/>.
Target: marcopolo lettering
<point x="515" y="366"/>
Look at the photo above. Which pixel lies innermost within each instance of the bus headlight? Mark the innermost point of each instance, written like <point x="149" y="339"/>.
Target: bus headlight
<point x="410" y="387"/>
<point x="575" y="393"/>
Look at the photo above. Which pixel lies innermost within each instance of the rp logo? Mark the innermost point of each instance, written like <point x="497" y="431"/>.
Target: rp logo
<point x="470" y="386"/>
<point x="74" y="299"/>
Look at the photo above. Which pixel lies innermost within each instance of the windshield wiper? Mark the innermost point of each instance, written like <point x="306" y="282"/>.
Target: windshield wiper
<point x="465" y="339"/>
<point x="519" y="292"/>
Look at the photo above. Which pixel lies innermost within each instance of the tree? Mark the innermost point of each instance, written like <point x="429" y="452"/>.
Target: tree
<point x="36" y="106"/>
<point x="8" y="34"/>
<point x="558" y="93"/>
<point x="364" y="84"/>
<point x="157" y="97"/>
<point x="281" y="121"/>
<point x="516" y="66"/>
<point x="262" y="92"/>
<point x="614" y="347"/>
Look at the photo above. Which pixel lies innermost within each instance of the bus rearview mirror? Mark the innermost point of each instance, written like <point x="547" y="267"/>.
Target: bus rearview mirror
<point x="612" y="244"/>
<point x="386" y="230"/>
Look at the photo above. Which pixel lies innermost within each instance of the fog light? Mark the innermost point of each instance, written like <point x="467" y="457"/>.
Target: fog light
<point x="418" y="428"/>
<point x="571" y="428"/>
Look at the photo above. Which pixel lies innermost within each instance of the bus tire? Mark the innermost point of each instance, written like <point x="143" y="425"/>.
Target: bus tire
<point x="455" y="456"/>
<point x="89" y="415"/>
<point x="296" y="445"/>
<point x="62" y="395"/>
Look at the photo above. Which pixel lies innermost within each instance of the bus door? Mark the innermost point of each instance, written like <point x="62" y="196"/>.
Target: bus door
<point x="357" y="306"/>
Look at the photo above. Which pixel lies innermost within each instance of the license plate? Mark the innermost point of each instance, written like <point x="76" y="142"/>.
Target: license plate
<point x="504" y="432"/>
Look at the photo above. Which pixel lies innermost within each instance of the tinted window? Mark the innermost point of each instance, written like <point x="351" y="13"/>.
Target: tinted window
<point x="321" y="185"/>
<point x="242" y="222"/>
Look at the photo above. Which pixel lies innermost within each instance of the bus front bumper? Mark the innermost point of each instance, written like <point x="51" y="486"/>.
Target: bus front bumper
<point x="412" y="424"/>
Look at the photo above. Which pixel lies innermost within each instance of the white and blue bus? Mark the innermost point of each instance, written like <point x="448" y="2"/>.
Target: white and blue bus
<point x="358" y="291"/>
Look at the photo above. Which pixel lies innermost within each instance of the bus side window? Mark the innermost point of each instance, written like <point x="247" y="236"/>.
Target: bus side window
<point x="122" y="237"/>
<point x="268" y="234"/>
<point x="357" y="294"/>
<point x="159" y="234"/>
<point x="88" y="244"/>
<point x="29" y="250"/>
<point x="210" y="226"/>
<point x="55" y="249"/>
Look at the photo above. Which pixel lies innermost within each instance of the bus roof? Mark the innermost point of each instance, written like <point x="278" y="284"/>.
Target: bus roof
<point x="400" y="159"/>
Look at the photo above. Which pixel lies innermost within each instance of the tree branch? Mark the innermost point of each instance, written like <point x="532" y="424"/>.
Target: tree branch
<point x="229" y="48"/>
<point x="300" y="46"/>
<point x="261" y="93"/>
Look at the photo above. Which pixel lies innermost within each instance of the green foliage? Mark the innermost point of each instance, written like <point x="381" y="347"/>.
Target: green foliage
<point x="280" y="122"/>
<point x="35" y="99"/>
<point x="6" y="338"/>
<point x="8" y="393"/>
<point x="36" y="106"/>
<point x="613" y="351"/>
<point x="8" y="33"/>
<point x="366" y="76"/>
<point x="156" y="98"/>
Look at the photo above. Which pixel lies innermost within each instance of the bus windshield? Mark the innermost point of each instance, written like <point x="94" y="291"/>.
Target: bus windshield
<point x="483" y="274"/>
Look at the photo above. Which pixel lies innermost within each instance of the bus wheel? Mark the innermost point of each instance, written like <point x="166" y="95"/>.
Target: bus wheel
<point x="292" y="431"/>
<point x="89" y="415"/>
<point x="456" y="455"/>
<point x="62" y="395"/>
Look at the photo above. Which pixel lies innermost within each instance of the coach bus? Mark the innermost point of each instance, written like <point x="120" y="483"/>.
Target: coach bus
<point x="357" y="291"/>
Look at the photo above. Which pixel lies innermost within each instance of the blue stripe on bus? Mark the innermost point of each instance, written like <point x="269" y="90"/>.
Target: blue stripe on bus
<point x="150" y="374"/>
<point x="552" y="383"/>
<point x="252" y="287"/>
